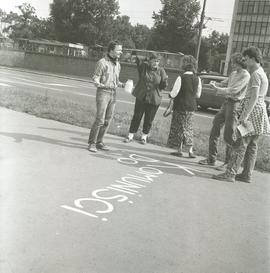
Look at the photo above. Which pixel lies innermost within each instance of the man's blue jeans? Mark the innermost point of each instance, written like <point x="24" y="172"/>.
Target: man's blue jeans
<point x="105" y="104"/>
<point x="227" y="116"/>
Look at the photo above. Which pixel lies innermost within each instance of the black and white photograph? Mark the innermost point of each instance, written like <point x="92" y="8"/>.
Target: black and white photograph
<point x="135" y="136"/>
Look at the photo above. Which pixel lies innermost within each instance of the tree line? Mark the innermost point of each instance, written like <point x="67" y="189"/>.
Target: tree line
<point x="93" y="22"/>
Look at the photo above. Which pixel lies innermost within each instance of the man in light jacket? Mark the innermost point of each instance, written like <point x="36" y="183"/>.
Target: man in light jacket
<point x="106" y="79"/>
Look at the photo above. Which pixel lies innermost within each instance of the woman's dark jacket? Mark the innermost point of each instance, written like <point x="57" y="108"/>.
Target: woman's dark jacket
<point x="151" y="83"/>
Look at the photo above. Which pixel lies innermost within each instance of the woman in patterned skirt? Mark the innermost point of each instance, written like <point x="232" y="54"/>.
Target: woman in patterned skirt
<point x="186" y="89"/>
<point x="253" y="112"/>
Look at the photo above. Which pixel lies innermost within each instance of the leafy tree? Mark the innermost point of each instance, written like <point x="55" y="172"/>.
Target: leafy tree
<point x="218" y="41"/>
<point x="204" y="56"/>
<point x="121" y="29"/>
<point x="217" y="47"/>
<point x="2" y="19"/>
<point x="2" y="15"/>
<point x="21" y="26"/>
<point x="174" y="25"/>
<point x="43" y="28"/>
<point x="27" y="25"/>
<point x="83" y="21"/>
<point x="140" y="37"/>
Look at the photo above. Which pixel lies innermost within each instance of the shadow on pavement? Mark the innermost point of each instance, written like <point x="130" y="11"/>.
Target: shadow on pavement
<point x="161" y="160"/>
<point x="19" y="137"/>
<point x="65" y="130"/>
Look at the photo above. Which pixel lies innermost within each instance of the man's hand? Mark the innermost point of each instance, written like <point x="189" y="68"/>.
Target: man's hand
<point x="243" y="121"/>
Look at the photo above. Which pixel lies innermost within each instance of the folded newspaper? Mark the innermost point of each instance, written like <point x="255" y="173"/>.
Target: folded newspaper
<point x="245" y="129"/>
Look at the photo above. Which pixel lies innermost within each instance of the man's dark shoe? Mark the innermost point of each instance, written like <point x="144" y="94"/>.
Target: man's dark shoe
<point x="191" y="155"/>
<point x="143" y="141"/>
<point x="127" y="140"/>
<point x="102" y="146"/>
<point x="242" y="178"/>
<point x="224" y="177"/>
<point x="207" y="162"/>
<point x="222" y="167"/>
<point x="178" y="154"/>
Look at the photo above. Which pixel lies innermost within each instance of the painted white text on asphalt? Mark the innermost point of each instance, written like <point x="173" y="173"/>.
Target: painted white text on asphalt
<point x="101" y="200"/>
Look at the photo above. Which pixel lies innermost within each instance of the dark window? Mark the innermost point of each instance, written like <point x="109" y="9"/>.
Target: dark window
<point x="268" y="29"/>
<point x="256" y="7"/>
<point x="240" y="7"/>
<point x="252" y="28"/>
<point x="245" y="7"/>
<point x="239" y="46"/>
<point x="234" y="45"/>
<point x="245" y="44"/>
<point x="267" y="8"/>
<point x="251" y="7"/>
<point x="237" y="26"/>
<point x="247" y="27"/>
<point x="264" y="28"/>
<point x="261" y="7"/>
<point x="258" y="28"/>
<point x="242" y="27"/>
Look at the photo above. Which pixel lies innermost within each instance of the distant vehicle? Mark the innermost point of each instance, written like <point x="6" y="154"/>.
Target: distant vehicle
<point x="267" y="102"/>
<point x="267" y="98"/>
<point x="208" y="98"/>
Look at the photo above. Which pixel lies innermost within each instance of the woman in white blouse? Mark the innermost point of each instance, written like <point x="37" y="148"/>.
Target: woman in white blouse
<point x="187" y="88"/>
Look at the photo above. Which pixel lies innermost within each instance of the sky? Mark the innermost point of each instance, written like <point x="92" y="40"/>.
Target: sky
<point x="140" y="11"/>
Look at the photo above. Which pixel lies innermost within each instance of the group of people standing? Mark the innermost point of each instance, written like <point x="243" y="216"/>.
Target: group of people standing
<point x="251" y="111"/>
<point x="244" y="103"/>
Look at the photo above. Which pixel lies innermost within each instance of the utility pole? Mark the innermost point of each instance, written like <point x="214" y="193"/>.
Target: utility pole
<point x="200" y="31"/>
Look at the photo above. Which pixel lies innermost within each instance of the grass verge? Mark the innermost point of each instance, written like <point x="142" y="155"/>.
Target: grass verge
<point x="67" y="111"/>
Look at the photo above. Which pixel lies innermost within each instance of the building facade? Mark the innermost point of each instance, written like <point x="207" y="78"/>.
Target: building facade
<point x="250" y="27"/>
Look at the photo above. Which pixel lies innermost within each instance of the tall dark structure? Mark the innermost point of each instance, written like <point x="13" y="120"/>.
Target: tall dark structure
<point x="250" y="27"/>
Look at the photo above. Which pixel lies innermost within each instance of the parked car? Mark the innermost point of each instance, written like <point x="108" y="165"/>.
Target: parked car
<point x="208" y="98"/>
<point x="267" y="102"/>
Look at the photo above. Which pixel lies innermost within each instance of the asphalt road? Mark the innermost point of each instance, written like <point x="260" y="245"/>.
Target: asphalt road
<point x="79" y="90"/>
<point x="134" y="209"/>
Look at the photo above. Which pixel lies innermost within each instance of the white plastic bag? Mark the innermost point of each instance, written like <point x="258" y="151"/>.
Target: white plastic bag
<point x="129" y="86"/>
